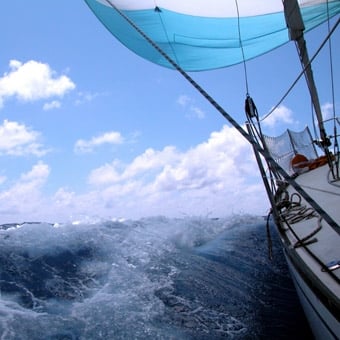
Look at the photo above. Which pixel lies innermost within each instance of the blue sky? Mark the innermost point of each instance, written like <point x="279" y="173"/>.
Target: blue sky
<point x="89" y="129"/>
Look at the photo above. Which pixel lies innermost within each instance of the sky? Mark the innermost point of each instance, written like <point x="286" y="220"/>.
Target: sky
<point x="89" y="130"/>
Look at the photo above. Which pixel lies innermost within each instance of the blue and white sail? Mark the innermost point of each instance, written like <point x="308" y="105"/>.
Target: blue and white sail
<point x="201" y="35"/>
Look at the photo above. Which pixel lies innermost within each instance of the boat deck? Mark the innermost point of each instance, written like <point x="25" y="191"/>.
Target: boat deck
<point x="327" y="239"/>
<point x="312" y="245"/>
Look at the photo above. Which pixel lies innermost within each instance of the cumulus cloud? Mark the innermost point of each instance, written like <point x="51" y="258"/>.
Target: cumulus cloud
<point x="65" y="198"/>
<point x="183" y="100"/>
<point x="327" y="110"/>
<point x="282" y="114"/>
<point x="85" y="97"/>
<point x="55" y="104"/>
<point x="18" y="140"/>
<point x="2" y="179"/>
<point x="32" y="81"/>
<point x="144" y="165"/>
<point x="83" y="146"/>
<point x="193" y="111"/>
<point x="105" y="174"/>
<point x="37" y="175"/>
<point x="25" y="195"/>
<point x="218" y="176"/>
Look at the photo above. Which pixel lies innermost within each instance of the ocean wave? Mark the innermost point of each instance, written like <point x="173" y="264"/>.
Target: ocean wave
<point x="161" y="278"/>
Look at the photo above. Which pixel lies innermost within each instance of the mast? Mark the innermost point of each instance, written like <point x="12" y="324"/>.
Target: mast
<point x="296" y="27"/>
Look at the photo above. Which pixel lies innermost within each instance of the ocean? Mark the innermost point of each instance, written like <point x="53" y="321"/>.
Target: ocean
<point x="153" y="278"/>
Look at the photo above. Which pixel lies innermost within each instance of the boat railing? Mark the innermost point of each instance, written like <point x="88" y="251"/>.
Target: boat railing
<point x="283" y="148"/>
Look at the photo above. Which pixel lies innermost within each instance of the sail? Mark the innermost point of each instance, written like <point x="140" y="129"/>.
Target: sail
<point x="205" y="34"/>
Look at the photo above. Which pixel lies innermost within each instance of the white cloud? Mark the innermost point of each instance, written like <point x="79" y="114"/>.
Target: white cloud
<point x="25" y="196"/>
<point x="2" y="179"/>
<point x="17" y="139"/>
<point x="218" y="176"/>
<point x="219" y="163"/>
<point x="32" y="81"/>
<point x="282" y="114"/>
<point x="83" y="146"/>
<point x="84" y="97"/>
<point x="144" y="165"/>
<point x="151" y="159"/>
<point x="37" y="176"/>
<point x="183" y="100"/>
<point x="327" y="110"/>
<point x="55" y="104"/>
<point x="193" y="111"/>
<point x="64" y="198"/>
<point x="104" y="175"/>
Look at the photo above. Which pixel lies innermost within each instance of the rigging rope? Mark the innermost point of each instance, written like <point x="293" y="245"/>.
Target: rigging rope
<point x="159" y="11"/>
<point x="269" y="238"/>
<point x="336" y="145"/>
<point x="242" y="50"/>
<point x="302" y="72"/>
<point x="331" y="61"/>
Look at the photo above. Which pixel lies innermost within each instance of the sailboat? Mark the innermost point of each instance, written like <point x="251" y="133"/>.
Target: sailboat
<point x="300" y="173"/>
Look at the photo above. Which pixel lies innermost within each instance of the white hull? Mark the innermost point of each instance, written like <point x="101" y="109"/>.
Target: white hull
<point x="311" y="245"/>
<point x="323" y="324"/>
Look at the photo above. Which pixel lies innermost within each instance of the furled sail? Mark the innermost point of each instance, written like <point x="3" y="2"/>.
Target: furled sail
<point x="200" y="34"/>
